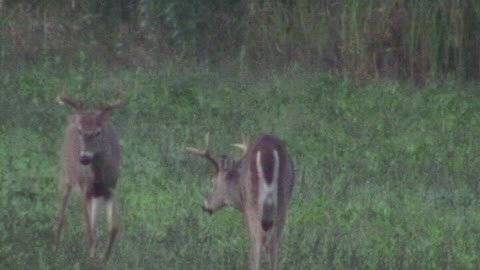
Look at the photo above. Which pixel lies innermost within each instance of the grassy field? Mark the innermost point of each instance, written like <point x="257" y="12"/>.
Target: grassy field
<point x="387" y="175"/>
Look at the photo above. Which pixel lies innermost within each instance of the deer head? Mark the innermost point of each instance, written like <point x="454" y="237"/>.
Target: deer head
<point x="225" y="186"/>
<point x="89" y="124"/>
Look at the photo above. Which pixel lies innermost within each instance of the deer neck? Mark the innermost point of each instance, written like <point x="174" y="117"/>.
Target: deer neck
<point x="234" y="196"/>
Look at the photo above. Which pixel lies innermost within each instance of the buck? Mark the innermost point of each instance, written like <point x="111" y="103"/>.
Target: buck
<point x="91" y="160"/>
<point x="259" y="185"/>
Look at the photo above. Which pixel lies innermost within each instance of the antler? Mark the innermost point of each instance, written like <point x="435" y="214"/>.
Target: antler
<point x="114" y="106"/>
<point x="204" y="154"/>
<point x="119" y="102"/>
<point x="242" y="146"/>
<point x="62" y="100"/>
<point x="108" y="109"/>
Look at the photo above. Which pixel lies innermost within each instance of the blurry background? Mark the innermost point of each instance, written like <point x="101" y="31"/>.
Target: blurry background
<point x="395" y="39"/>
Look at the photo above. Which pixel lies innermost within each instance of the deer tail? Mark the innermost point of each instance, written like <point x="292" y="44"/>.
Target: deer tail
<point x="268" y="212"/>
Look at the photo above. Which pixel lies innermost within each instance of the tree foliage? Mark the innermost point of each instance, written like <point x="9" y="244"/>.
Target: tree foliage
<point x="395" y="39"/>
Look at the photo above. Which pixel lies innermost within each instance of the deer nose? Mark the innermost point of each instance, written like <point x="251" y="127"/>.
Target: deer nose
<point x="206" y="208"/>
<point x="86" y="158"/>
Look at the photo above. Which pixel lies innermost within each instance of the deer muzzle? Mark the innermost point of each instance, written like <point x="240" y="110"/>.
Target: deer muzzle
<point x="86" y="158"/>
<point x="206" y="208"/>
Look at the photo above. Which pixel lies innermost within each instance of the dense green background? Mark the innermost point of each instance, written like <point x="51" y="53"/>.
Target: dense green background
<point x="409" y="40"/>
<point x="387" y="175"/>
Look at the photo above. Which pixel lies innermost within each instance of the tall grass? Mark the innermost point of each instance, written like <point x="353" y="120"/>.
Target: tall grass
<point x="413" y="41"/>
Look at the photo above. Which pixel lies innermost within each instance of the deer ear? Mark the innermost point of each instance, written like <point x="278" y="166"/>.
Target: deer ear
<point x="103" y="116"/>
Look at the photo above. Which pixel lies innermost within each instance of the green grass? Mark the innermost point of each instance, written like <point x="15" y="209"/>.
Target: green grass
<point x="386" y="174"/>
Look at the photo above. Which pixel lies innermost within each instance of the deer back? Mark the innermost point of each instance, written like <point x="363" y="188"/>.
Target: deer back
<point x="260" y="184"/>
<point x="268" y="180"/>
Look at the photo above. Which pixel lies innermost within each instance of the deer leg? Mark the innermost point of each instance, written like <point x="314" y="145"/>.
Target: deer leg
<point x="65" y="189"/>
<point x="256" y="256"/>
<point x="91" y="205"/>
<point x="272" y="250"/>
<point x="256" y="251"/>
<point x="113" y="217"/>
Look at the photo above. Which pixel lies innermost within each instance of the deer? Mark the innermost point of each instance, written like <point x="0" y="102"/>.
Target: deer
<point x="260" y="186"/>
<point x="91" y="161"/>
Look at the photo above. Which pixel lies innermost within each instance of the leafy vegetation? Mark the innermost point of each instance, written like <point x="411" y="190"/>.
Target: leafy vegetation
<point x="386" y="174"/>
<point x="414" y="41"/>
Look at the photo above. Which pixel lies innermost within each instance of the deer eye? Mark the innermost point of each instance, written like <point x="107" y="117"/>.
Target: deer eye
<point x="94" y="134"/>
